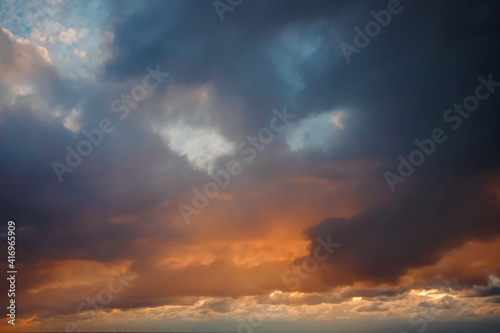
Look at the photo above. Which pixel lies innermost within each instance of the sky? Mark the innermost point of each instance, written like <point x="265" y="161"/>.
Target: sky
<point x="250" y="166"/>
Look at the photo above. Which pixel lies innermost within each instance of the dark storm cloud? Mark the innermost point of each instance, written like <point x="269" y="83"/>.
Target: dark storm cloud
<point x="382" y="243"/>
<point x="195" y="44"/>
<point x="495" y="300"/>
<point x="71" y="220"/>
<point x="395" y="91"/>
<point x="401" y="83"/>
<point x="112" y="181"/>
<point x="373" y="293"/>
<point x="484" y="292"/>
<point x="78" y="209"/>
<point x="236" y="54"/>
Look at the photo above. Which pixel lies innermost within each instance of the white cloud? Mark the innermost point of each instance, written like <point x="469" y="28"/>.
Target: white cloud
<point x="201" y="146"/>
<point x="316" y="132"/>
<point x="79" y="53"/>
<point x="68" y="36"/>
<point x="71" y="121"/>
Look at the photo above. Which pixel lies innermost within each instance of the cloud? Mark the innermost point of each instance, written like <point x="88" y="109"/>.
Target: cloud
<point x="375" y="292"/>
<point x="68" y="36"/>
<point x="220" y="306"/>
<point x="484" y="291"/>
<point x="20" y="59"/>
<point x="119" y="207"/>
<point x="317" y="132"/>
<point x="373" y="307"/>
<point x="413" y="231"/>
<point x="202" y="147"/>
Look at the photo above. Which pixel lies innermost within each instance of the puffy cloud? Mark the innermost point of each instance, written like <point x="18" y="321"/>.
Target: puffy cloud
<point x="68" y="36"/>
<point x="20" y="59"/>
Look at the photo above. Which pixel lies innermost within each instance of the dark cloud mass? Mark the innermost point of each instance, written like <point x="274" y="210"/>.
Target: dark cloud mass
<point x="412" y="231"/>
